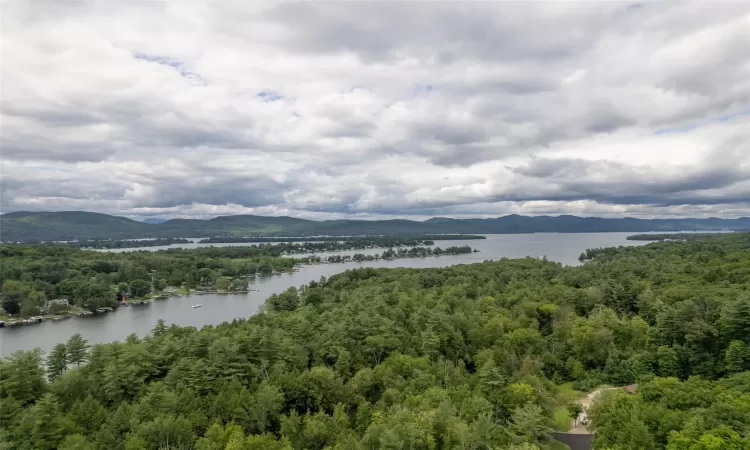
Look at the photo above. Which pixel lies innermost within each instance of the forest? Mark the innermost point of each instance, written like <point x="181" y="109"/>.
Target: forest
<point x="463" y="357"/>
<point x="360" y="243"/>
<point x="356" y="241"/>
<point x="126" y="243"/>
<point x="31" y="275"/>
<point x="669" y="237"/>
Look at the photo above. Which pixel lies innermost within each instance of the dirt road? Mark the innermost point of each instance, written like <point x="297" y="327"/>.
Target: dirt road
<point x="577" y="426"/>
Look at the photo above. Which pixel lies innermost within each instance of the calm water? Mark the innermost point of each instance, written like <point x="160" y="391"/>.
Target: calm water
<point x="216" y="309"/>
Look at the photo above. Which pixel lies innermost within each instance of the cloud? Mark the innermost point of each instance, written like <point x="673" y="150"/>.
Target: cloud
<point x="366" y="109"/>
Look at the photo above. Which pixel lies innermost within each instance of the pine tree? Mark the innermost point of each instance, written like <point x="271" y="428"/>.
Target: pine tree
<point x="45" y="425"/>
<point x="22" y="376"/>
<point x="77" y="350"/>
<point x="57" y="361"/>
<point x="76" y="442"/>
<point x="160" y="328"/>
<point x="736" y="319"/>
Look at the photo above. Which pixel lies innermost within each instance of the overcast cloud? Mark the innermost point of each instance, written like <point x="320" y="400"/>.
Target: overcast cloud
<point x="376" y="109"/>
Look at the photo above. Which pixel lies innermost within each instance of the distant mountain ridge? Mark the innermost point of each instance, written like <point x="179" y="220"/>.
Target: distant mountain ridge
<point x="70" y="225"/>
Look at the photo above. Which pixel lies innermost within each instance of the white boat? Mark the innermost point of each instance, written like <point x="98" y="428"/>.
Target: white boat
<point x="196" y="306"/>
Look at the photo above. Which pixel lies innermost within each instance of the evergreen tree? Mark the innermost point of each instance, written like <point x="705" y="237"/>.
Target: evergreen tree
<point x="160" y="328"/>
<point x="530" y="424"/>
<point x="22" y="377"/>
<point x="77" y="349"/>
<point x="76" y="442"/>
<point x="736" y="319"/>
<point x="57" y="361"/>
<point x="44" y="425"/>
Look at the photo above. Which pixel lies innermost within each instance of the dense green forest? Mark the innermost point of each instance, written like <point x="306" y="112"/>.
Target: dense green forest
<point x="33" y="274"/>
<point x="402" y="252"/>
<point x="75" y="225"/>
<point x="464" y="357"/>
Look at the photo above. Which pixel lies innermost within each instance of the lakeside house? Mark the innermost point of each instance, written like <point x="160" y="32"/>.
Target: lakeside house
<point x="58" y="301"/>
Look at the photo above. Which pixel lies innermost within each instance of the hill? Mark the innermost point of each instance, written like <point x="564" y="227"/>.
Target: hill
<point x="67" y="225"/>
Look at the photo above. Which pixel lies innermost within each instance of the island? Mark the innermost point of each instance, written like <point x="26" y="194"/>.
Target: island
<point x="355" y="241"/>
<point x="126" y="243"/>
<point x="670" y="237"/>
<point x="52" y="281"/>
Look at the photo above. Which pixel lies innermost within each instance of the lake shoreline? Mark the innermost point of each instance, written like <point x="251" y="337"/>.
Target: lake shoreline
<point x="220" y="308"/>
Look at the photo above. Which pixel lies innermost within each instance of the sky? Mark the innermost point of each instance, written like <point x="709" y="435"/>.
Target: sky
<point x="376" y="109"/>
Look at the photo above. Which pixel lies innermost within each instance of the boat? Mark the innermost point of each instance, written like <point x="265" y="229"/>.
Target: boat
<point x="196" y="306"/>
<point x="35" y="319"/>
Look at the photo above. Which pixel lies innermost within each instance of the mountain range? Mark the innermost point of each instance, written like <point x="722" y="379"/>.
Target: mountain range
<point x="71" y="225"/>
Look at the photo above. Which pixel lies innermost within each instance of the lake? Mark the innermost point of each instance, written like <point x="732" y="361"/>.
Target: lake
<point x="218" y="308"/>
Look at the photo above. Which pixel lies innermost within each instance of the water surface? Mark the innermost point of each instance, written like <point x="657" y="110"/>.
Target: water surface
<point x="217" y="308"/>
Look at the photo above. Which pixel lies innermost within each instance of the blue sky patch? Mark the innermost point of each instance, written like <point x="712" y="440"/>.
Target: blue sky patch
<point x="268" y="96"/>
<point x="174" y="63"/>
<point x="686" y="128"/>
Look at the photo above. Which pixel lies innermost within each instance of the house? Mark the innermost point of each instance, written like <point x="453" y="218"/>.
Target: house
<point x="48" y="305"/>
<point x="57" y="301"/>
<point x="631" y="388"/>
<point x="171" y="289"/>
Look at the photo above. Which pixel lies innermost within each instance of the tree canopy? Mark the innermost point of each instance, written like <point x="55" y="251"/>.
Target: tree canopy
<point x="464" y="357"/>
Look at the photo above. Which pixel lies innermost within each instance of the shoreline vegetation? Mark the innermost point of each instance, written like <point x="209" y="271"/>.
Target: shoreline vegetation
<point x="670" y="237"/>
<point x="99" y="244"/>
<point x="360" y="241"/>
<point x="321" y="243"/>
<point x="57" y="281"/>
<point x="488" y="355"/>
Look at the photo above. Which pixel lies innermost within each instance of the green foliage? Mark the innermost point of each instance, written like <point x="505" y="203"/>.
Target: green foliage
<point x="76" y="348"/>
<point x="529" y="423"/>
<point x="57" y="361"/>
<point x="667" y="413"/>
<point x="76" y="442"/>
<point x="31" y="274"/>
<point x="562" y="419"/>
<point x="737" y="357"/>
<point x="22" y="377"/>
<point x="127" y="243"/>
<point x="473" y="356"/>
<point x="222" y="283"/>
<point x="140" y="288"/>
